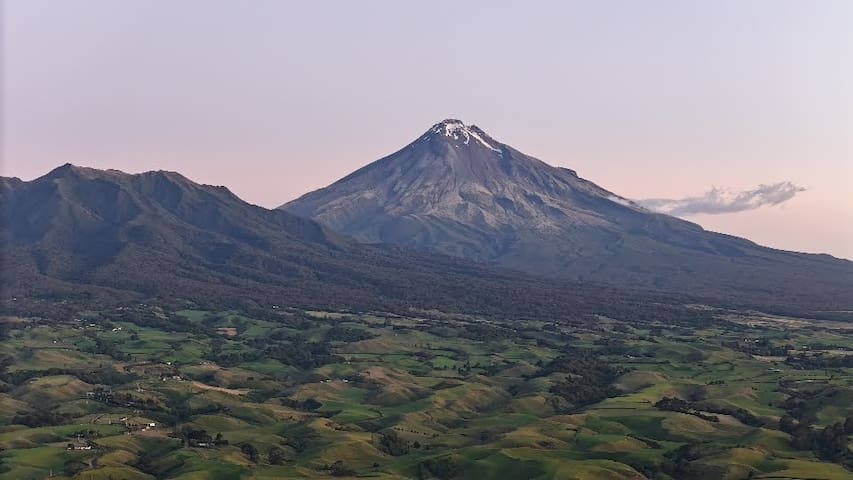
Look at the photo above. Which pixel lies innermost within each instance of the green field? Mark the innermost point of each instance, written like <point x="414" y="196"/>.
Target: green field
<point x="292" y="394"/>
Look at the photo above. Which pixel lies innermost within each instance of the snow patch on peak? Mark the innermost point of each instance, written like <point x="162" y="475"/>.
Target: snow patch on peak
<point x="481" y="140"/>
<point x="457" y="130"/>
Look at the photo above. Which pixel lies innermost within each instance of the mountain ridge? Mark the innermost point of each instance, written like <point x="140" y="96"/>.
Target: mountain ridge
<point x="105" y="236"/>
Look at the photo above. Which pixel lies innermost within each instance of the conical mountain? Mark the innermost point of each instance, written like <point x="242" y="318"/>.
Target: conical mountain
<point x="459" y="191"/>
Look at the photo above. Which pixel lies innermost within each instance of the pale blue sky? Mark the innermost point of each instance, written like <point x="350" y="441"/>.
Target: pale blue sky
<point x="276" y="98"/>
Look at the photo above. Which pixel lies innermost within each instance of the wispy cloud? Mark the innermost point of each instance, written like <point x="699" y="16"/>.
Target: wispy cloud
<point x="721" y="200"/>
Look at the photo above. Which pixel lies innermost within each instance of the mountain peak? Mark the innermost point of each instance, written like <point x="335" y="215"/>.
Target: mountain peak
<point x="70" y="170"/>
<point x="460" y="192"/>
<point x="64" y="171"/>
<point x="455" y="130"/>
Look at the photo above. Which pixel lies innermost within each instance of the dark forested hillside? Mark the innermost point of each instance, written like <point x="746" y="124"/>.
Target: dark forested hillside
<point x="106" y="235"/>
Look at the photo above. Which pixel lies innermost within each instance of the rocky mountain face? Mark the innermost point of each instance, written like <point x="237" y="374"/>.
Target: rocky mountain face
<point x="458" y="191"/>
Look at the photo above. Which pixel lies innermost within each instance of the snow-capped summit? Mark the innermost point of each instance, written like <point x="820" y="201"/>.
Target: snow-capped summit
<point x="457" y="190"/>
<point x="461" y="134"/>
<point x="457" y="173"/>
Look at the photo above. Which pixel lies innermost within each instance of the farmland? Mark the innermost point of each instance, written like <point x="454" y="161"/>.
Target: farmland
<point x="148" y="392"/>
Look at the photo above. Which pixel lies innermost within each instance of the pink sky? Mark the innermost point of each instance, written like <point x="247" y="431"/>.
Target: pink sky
<point x="276" y="98"/>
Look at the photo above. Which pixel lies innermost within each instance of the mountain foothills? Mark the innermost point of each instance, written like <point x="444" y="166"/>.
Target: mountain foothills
<point x="87" y="234"/>
<point x="458" y="191"/>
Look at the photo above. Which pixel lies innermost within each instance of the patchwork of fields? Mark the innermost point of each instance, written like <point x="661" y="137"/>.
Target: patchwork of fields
<point x="146" y="393"/>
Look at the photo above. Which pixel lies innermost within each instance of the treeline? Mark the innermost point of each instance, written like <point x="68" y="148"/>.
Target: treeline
<point x="819" y="361"/>
<point x="104" y="375"/>
<point x="697" y="409"/>
<point x="670" y="404"/>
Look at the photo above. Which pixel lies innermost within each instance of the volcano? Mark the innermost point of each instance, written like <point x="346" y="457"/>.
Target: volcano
<point x="458" y="191"/>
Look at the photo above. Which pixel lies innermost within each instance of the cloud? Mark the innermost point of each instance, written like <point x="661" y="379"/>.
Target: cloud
<point x="721" y="200"/>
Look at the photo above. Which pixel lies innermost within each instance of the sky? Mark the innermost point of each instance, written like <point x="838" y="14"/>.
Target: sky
<point x="696" y="102"/>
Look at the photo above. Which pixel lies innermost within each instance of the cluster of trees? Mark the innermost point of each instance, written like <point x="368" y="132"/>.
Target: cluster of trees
<point x="103" y="347"/>
<point x="146" y="317"/>
<point x="309" y="404"/>
<point x="340" y="333"/>
<point x="616" y="346"/>
<point x="819" y="361"/>
<point x="682" y="462"/>
<point x="672" y="404"/>
<point x="189" y="408"/>
<point x="40" y="417"/>
<point x="799" y="401"/>
<point x="393" y="444"/>
<point x="150" y="457"/>
<point x="230" y="358"/>
<point x="829" y="443"/>
<point x="485" y="331"/>
<point x="103" y="375"/>
<point x="305" y="355"/>
<point x="340" y="469"/>
<point x="278" y="456"/>
<point x="191" y="437"/>
<point x="588" y="379"/>
<point x="443" y="468"/>
<point x="697" y="408"/>
<point x="743" y="415"/>
<point x="251" y="452"/>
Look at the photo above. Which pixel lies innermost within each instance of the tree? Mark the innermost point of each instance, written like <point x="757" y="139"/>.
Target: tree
<point x="803" y="438"/>
<point x="277" y="455"/>
<point x="831" y="443"/>
<point x="787" y="424"/>
<point x="393" y="444"/>
<point x="250" y="452"/>
<point x="340" y="469"/>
